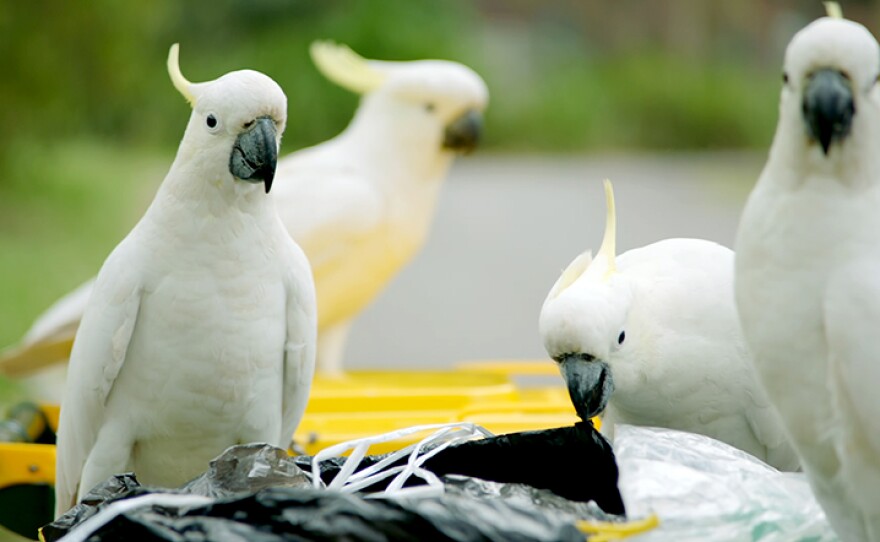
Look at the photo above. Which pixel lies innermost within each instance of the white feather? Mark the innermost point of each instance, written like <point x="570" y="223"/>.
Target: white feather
<point x="361" y="204"/>
<point x="683" y="363"/>
<point x="200" y="330"/>
<point x="808" y="279"/>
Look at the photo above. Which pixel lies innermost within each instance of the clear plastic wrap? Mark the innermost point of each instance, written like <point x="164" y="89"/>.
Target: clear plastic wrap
<point x="703" y="489"/>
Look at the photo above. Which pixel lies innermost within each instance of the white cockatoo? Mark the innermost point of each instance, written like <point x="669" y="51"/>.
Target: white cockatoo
<point x="361" y="204"/>
<point x="653" y="333"/>
<point x="808" y="269"/>
<point x="201" y="329"/>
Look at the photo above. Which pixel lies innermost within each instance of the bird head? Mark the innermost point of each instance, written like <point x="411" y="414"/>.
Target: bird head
<point x="436" y="103"/>
<point x="584" y="319"/>
<point x="831" y="67"/>
<point x="236" y="124"/>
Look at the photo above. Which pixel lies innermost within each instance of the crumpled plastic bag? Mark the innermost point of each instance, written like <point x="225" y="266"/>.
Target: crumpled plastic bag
<point x="702" y="489"/>
<point x="238" y="471"/>
<point x="280" y="514"/>
<point x="246" y="469"/>
<point x="232" y="502"/>
<point x="574" y="462"/>
<point x="524" y="495"/>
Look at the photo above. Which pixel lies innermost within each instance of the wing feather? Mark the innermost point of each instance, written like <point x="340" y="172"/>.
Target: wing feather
<point x="99" y="352"/>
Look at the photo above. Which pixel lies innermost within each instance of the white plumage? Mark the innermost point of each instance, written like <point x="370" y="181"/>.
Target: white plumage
<point x="200" y="330"/>
<point x="361" y="204"/>
<point x="654" y="333"/>
<point x="808" y="269"/>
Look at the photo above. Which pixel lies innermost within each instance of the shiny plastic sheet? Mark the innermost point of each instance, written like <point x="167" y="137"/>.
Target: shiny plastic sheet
<point x="256" y="492"/>
<point x="703" y="489"/>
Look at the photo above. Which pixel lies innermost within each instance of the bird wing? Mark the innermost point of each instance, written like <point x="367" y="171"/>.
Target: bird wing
<point x="62" y="318"/>
<point x="99" y="352"/>
<point x="300" y="347"/>
<point x="50" y="338"/>
<point x="851" y="315"/>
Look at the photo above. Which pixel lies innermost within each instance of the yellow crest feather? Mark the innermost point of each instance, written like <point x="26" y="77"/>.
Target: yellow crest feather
<point x="344" y="67"/>
<point x="180" y="82"/>
<point x="571" y="273"/>
<point x="609" y="241"/>
<point x="833" y="10"/>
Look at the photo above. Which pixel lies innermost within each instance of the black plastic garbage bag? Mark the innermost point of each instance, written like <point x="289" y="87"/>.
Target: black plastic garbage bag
<point x="288" y="513"/>
<point x="573" y="462"/>
<point x="238" y="471"/>
<point x="249" y="510"/>
<point x="547" y="501"/>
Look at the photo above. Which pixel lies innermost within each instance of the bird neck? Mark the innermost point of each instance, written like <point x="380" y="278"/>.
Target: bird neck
<point x="190" y="193"/>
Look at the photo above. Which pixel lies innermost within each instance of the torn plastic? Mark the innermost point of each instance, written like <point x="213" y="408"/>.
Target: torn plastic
<point x="248" y="468"/>
<point x="132" y="512"/>
<point x="475" y="488"/>
<point x="402" y="464"/>
<point x="277" y="514"/>
<point x="575" y="462"/>
<point x="232" y="501"/>
<point x="703" y="489"/>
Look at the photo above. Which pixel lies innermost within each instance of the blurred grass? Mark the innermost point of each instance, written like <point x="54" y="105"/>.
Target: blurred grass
<point x="98" y="70"/>
<point x="63" y="208"/>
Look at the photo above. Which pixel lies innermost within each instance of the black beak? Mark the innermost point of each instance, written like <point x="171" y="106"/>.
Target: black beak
<point x="589" y="383"/>
<point x="828" y="107"/>
<point x="255" y="153"/>
<point x="463" y="133"/>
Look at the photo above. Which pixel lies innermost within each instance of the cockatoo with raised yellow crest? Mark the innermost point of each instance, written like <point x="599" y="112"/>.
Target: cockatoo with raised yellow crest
<point x="808" y="268"/>
<point x="360" y="204"/>
<point x="652" y="338"/>
<point x="200" y="331"/>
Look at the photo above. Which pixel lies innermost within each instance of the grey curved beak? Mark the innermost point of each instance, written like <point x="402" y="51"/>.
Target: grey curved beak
<point x="828" y="107"/>
<point x="463" y="134"/>
<point x="255" y="153"/>
<point x="589" y="383"/>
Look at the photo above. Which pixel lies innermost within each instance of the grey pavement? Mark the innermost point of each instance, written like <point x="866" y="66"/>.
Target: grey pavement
<point x="507" y="226"/>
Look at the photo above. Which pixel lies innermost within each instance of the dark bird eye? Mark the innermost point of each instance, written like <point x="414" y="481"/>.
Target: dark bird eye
<point x="212" y="121"/>
<point x="429" y="107"/>
<point x="621" y="337"/>
<point x="785" y="78"/>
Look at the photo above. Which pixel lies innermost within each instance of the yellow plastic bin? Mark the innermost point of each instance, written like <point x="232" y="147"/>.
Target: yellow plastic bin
<point x="403" y="391"/>
<point x="27" y="472"/>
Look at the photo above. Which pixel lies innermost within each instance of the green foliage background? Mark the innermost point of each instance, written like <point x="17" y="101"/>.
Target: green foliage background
<point x="558" y="83"/>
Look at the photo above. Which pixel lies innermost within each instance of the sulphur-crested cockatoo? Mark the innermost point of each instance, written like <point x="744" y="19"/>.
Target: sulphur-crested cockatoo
<point x="360" y="205"/>
<point x="654" y="334"/>
<point x="808" y="269"/>
<point x="200" y="331"/>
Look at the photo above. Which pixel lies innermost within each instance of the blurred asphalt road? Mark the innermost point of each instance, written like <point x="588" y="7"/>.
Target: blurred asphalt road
<point x="507" y="226"/>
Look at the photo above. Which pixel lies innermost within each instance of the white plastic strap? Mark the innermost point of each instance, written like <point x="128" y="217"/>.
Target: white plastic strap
<point x="85" y="529"/>
<point x="348" y="481"/>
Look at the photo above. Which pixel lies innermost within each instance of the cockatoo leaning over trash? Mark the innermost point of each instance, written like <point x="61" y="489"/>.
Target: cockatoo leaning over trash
<point x="200" y="331"/>
<point x="808" y="269"/>
<point x="653" y="333"/>
<point x="361" y="204"/>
